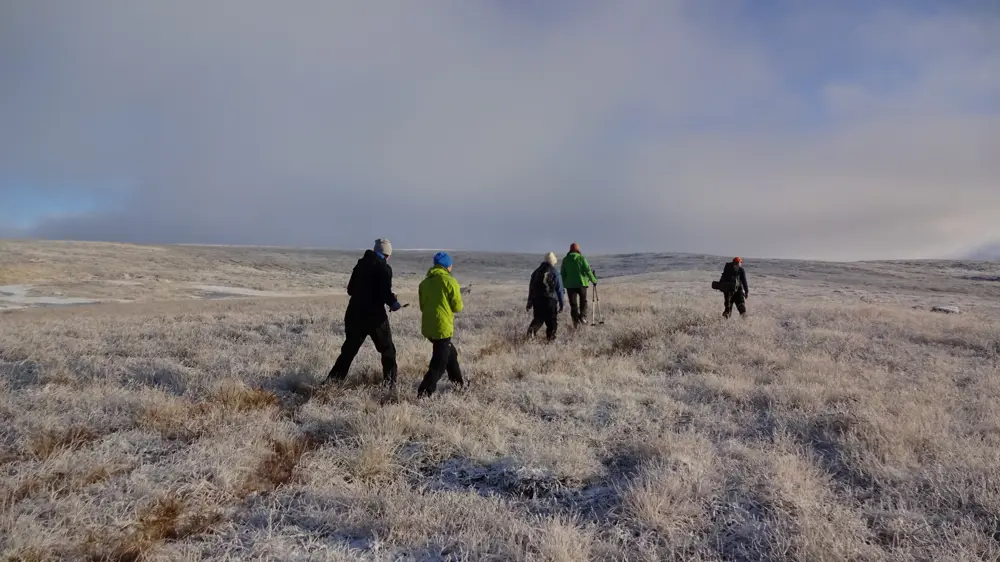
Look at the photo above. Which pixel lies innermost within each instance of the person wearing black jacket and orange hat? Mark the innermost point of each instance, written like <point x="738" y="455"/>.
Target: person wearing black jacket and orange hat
<point x="733" y="285"/>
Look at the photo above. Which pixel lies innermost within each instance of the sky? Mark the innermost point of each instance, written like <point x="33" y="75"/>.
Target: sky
<point x="801" y="129"/>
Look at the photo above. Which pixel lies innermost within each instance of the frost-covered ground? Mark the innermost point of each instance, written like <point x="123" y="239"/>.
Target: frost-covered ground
<point x="843" y="420"/>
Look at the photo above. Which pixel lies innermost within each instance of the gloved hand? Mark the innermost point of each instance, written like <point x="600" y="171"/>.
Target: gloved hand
<point x="746" y="294"/>
<point x="560" y="307"/>
<point x="395" y="306"/>
<point x="528" y="306"/>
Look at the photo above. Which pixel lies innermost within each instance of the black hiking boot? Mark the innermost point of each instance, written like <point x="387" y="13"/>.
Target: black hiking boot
<point x="333" y="378"/>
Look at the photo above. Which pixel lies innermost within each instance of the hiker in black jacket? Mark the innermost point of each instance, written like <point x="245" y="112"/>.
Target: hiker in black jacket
<point x="733" y="285"/>
<point x="370" y="289"/>
<point x="546" y="297"/>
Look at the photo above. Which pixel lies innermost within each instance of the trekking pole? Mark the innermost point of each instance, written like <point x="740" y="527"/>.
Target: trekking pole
<point x="597" y="306"/>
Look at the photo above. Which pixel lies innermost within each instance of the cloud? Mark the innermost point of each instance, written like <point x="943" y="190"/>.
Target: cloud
<point x="986" y="252"/>
<point x="643" y="125"/>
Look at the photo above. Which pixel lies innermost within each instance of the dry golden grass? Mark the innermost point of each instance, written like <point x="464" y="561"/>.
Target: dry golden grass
<point x="166" y="518"/>
<point x="825" y="426"/>
<point x="277" y="467"/>
<point x="45" y="443"/>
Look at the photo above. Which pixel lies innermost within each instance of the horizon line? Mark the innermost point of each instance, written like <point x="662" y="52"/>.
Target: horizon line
<point x="519" y="252"/>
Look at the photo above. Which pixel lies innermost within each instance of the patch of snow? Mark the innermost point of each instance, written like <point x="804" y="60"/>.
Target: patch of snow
<point x="123" y="283"/>
<point x="13" y="290"/>
<point x="946" y="309"/>
<point x="18" y="295"/>
<point x="221" y="291"/>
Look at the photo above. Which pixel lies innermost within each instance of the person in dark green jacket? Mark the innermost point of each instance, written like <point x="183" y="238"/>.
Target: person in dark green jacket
<point x="577" y="276"/>
<point x="440" y="298"/>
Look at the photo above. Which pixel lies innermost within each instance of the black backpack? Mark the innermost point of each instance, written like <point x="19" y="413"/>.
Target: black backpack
<point x="543" y="282"/>
<point x="729" y="280"/>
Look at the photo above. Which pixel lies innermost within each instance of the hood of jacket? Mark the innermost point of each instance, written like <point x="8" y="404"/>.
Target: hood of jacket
<point x="371" y="258"/>
<point x="438" y="271"/>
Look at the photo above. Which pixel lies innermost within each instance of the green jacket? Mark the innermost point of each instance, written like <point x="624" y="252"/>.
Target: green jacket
<point x="440" y="298"/>
<point x="576" y="271"/>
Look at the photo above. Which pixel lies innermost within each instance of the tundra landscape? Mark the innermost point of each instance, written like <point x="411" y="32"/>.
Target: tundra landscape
<point x="163" y="403"/>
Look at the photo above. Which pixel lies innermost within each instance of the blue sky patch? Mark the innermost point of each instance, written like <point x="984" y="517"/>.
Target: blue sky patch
<point x="25" y="206"/>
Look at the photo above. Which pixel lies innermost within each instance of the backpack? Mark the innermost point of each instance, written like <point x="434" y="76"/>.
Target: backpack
<point x="543" y="282"/>
<point x="729" y="280"/>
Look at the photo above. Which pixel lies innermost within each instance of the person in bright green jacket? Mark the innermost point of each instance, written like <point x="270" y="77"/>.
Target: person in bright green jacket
<point x="440" y="298"/>
<point x="577" y="276"/>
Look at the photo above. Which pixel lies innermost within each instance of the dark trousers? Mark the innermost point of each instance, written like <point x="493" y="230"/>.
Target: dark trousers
<point x="737" y="298"/>
<point x="546" y="311"/>
<point x="356" y="333"/>
<point x="578" y="305"/>
<point x="444" y="359"/>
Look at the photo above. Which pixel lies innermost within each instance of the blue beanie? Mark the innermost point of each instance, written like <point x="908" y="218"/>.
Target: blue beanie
<point x="442" y="259"/>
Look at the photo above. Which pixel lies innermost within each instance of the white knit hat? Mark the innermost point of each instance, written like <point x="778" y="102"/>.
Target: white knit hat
<point x="383" y="246"/>
<point x="551" y="258"/>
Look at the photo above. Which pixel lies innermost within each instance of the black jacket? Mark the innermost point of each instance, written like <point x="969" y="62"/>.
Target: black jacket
<point x="370" y="289"/>
<point x="733" y="276"/>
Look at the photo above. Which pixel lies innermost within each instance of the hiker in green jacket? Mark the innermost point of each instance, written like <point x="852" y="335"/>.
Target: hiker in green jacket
<point x="577" y="277"/>
<point x="440" y="298"/>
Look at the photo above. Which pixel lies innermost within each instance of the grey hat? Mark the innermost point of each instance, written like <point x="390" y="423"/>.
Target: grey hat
<point x="383" y="246"/>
